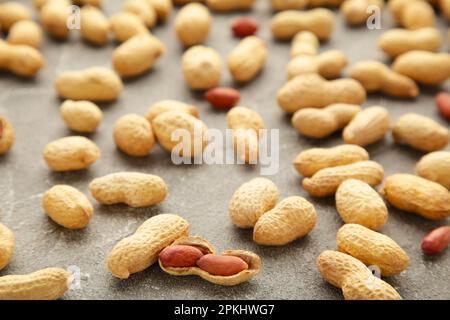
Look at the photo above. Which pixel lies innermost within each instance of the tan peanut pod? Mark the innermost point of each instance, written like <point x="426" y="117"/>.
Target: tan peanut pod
<point x="328" y="64"/>
<point x="310" y="161"/>
<point x="71" y="153"/>
<point x="313" y="91"/>
<point x="368" y="126"/>
<point x="413" y="14"/>
<point x="424" y="67"/>
<point x="163" y="8"/>
<point x="420" y="132"/>
<point x="131" y="188"/>
<point x="39" y="3"/>
<point x="170" y="105"/>
<point x="280" y="5"/>
<point x="325" y="182"/>
<point x="142" y="9"/>
<point x="7" y="135"/>
<point x="251" y="200"/>
<point x="94" y="26"/>
<point x="230" y="5"/>
<point x="246" y="125"/>
<point x="167" y="123"/>
<point x="372" y="248"/>
<point x="291" y="219"/>
<point x="435" y="166"/>
<point x="140" y="250"/>
<point x="320" y="123"/>
<point x="253" y="261"/>
<point x="67" y="206"/>
<point x="359" y="203"/>
<point x="183" y="2"/>
<point x="133" y="135"/>
<point x="45" y="284"/>
<point x="81" y="116"/>
<point x="395" y="42"/>
<point x="54" y="16"/>
<point x="137" y="55"/>
<point x="96" y="3"/>
<point x="247" y="59"/>
<point x="445" y="8"/>
<point x="192" y="24"/>
<point x="22" y="60"/>
<point x="125" y="25"/>
<point x="356" y="12"/>
<point x="375" y="76"/>
<point x="414" y="194"/>
<point x="287" y="24"/>
<point x="26" y="32"/>
<point x="12" y="12"/>
<point x="202" y="68"/>
<point x="324" y="3"/>
<point x="372" y="288"/>
<point x="7" y="245"/>
<point x="92" y="84"/>
<point x="304" y="43"/>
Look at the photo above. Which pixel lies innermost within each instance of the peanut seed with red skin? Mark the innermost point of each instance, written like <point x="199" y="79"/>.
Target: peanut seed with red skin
<point x="436" y="241"/>
<point x="223" y="98"/>
<point x="244" y="27"/>
<point x="180" y="256"/>
<point x="443" y="104"/>
<point x="219" y="265"/>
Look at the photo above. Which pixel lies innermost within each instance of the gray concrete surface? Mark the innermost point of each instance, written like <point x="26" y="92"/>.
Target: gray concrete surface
<point x="198" y="193"/>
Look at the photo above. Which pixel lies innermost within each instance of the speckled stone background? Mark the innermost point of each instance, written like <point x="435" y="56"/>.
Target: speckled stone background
<point x="198" y="193"/>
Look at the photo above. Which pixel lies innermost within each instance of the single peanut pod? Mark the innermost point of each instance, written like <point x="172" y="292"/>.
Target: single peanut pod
<point x="202" y="68"/>
<point x="246" y="263"/>
<point x="96" y="3"/>
<point x="304" y="43"/>
<point x="313" y="91"/>
<point x="320" y="123"/>
<point x="12" y="12"/>
<point x="137" y="55"/>
<point x="251" y="200"/>
<point x="367" y="127"/>
<point x="81" y="116"/>
<point x="420" y="132"/>
<point x="435" y="166"/>
<point x="414" y="194"/>
<point x="26" y="32"/>
<point x="395" y="42"/>
<point x="246" y="125"/>
<point x="310" y="161"/>
<point x="71" y="153"/>
<point x="356" y="12"/>
<point x="328" y="64"/>
<point x="67" y="206"/>
<point x="170" y="105"/>
<point x="7" y="135"/>
<point x="140" y="250"/>
<point x="417" y="14"/>
<point x="55" y="16"/>
<point x="280" y="5"/>
<point x="92" y="84"/>
<point x="359" y="203"/>
<point x="163" y="8"/>
<point x="7" y="245"/>
<point x="192" y="24"/>
<point x="133" y="135"/>
<point x="291" y="219"/>
<point x="22" y="60"/>
<point x="445" y="8"/>
<point x="325" y="182"/>
<point x="287" y="24"/>
<point x="375" y="76"/>
<point x="325" y="3"/>
<point x="45" y="284"/>
<point x="424" y="67"/>
<point x="230" y="5"/>
<point x="371" y="288"/>
<point x="172" y="127"/>
<point x="247" y="59"/>
<point x="131" y="188"/>
<point x="125" y="25"/>
<point x="94" y="26"/>
<point x="142" y="9"/>
<point x="372" y="248"/>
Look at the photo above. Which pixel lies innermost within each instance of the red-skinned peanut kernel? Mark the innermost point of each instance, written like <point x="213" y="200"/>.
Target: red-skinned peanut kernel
<point x="443" y="104"/>
<point x="223" y="98"/>
<point x="436" y="241"/>
<point x="219" y="265"/>
<point x="244" y="27"/>
<point x="180" y="256"/>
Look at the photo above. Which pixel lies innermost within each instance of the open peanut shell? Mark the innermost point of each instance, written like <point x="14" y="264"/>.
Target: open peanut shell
<point x="253" y="261"/>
